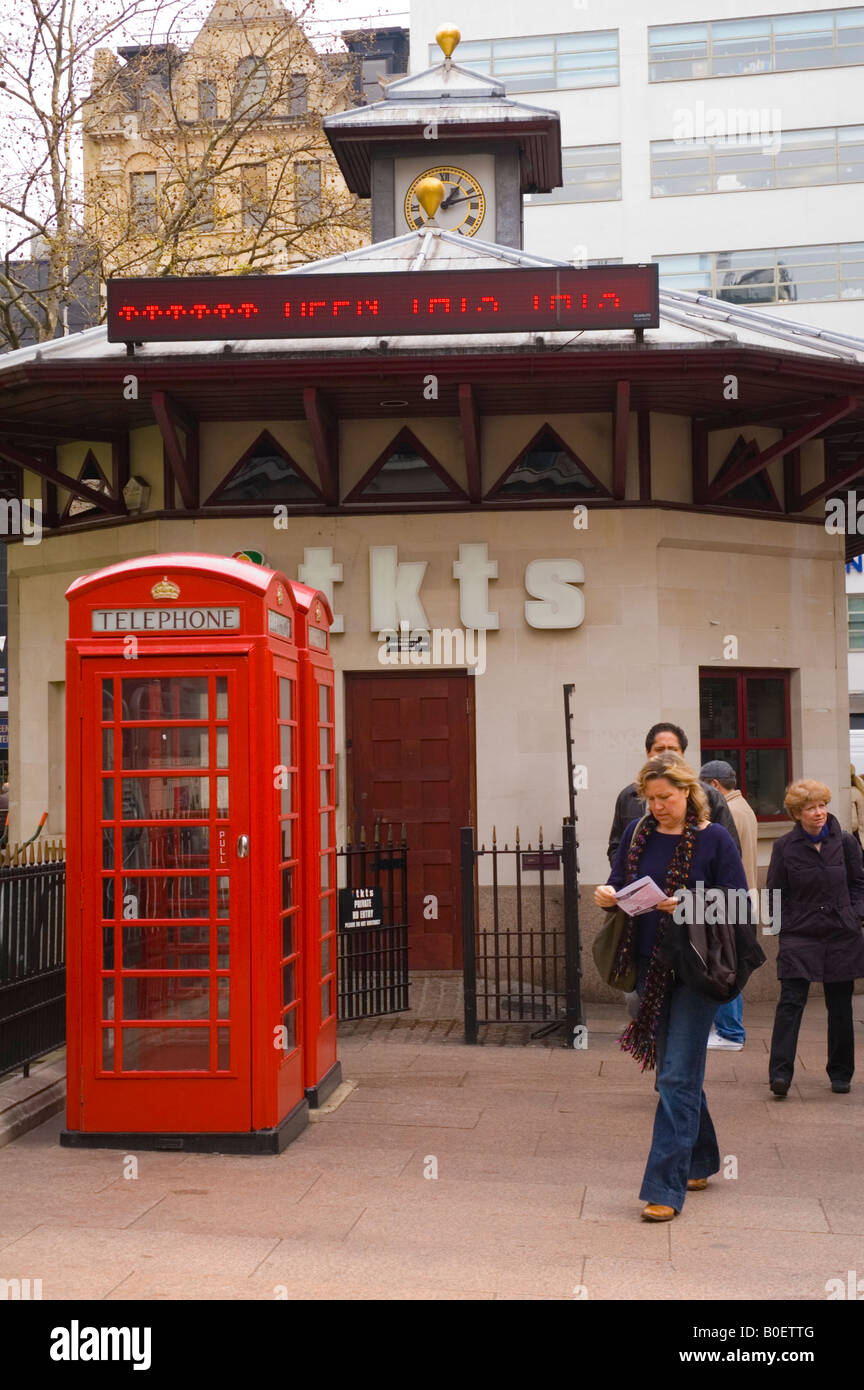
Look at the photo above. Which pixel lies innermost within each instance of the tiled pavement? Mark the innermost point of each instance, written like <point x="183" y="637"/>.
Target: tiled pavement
<point x="538" y="1153"/>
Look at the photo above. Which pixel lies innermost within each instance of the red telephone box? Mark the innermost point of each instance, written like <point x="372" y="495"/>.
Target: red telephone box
<point x="187" y="921"/>
<point x="318" y="800"/>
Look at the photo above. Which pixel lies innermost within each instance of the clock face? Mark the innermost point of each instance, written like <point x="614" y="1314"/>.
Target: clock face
<point x="464" y="205"/>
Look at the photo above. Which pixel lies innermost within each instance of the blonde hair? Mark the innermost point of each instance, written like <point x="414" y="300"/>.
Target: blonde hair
<point x="800" y="793"/>
<point x="673" y="767"/>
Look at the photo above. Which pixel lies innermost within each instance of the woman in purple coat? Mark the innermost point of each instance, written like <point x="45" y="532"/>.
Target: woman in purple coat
<point x="818" y="869"/>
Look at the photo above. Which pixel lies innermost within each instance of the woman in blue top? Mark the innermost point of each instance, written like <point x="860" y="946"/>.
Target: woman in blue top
<point x="677" y="846"/>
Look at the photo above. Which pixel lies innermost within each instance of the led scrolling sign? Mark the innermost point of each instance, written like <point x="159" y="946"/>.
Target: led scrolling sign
<point x="366" y="304"/>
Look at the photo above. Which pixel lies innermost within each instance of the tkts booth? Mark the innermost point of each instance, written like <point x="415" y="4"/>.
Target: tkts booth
<point x="201" y="1014"/>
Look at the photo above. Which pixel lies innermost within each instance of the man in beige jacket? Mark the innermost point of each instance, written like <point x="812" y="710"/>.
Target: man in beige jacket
<point x="728" y="1030"/>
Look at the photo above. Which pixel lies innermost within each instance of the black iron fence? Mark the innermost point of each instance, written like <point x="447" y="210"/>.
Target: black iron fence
<point x="32" y="964"/>
<point x="520" y="930"/>
<point x="373" y="961"/>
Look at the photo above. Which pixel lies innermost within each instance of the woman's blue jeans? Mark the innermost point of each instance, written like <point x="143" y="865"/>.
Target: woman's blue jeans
<point x="684" y="1144"/>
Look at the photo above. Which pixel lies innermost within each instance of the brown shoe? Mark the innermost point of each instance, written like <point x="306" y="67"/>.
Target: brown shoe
<point x="696" y="1184"/>
<point x="655" y="1213"/>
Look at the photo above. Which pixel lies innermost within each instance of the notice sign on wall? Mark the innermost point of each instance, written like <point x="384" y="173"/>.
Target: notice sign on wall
<point x="360" y="907"/>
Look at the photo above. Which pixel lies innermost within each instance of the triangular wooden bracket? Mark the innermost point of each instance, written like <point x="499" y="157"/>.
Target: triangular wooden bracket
<point x="759" y="483"/>
<point x="406" y="442"/>
<point x="537" y="490"/>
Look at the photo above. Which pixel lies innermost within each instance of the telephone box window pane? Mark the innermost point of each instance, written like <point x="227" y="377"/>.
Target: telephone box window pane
<point x="223" y="889"/>
<point x="766" y="709"/>
<point x="324" y="704"/>
<point x="325" y="870"/>
<point x="166" y="798"/>
<point x="165" y="697"/>
<point x="287" y="936"/>
<point x="223" y="997"/>
<point x="108" y="699"/>
<point x="160" y="996"/>
<point x="289" y="1024"/>
<point x="286" y="799"/>
<point x="767" y="776"/>
<point x="166" y="948"/>
<point x="718" y="707"/>
<point x="107" y="748"/>
<point x="107" y="1049"/>
<point x="285" y="757"/>
<point x="155" y="747"/>
<point x="107" y="948"/>
<point x="325" y="916"/>
<point x="221" y="697"/>
<point x="287" y="886"/>
<point x="287" y="984"/>
<point x="221" y="797"/>
<point x="324" y="789"/>
<point x="108" y="898"/>
<point x="221" y="747"/>
<point x="286" y="838"/>
<point x="323" y="745"/>
<point x="107" y="799"/>
<point x="223" y="943"/>
<point x="166" y="1049"/>
<point x="223" y="1059"/>
<point x="284" y="698"/>
<point x="107" y="849"/>
<point x="325" y="955"/>
<point x="166" y="895"/>
<point x="325" y="829"/>
<point x="108" y="998"/>
<point x="325" y="1001"/>
<point x="164" y="846"/>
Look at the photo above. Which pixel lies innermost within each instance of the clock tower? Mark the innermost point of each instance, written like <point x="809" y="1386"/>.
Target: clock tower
<point x="461" y="128"/>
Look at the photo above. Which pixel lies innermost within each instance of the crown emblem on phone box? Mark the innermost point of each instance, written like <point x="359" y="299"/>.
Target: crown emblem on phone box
<point x="165" y="588"/>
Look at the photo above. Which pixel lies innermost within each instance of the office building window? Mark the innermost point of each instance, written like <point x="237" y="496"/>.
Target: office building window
<point x="746" y="47"/>
<point x="806" y="274"/>
<point x="744" y="720"/>
<point x="592" y="174"/>
<point x="541" y="62"/>
<point x="856" y="622"/>
<point x="743" y="163"/>
<point x="142" y="201"/>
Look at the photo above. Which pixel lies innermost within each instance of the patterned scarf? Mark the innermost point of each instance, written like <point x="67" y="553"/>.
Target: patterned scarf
<point x="639" y="1038"/>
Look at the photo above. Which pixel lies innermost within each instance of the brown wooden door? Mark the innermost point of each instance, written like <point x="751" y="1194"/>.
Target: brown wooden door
<point x="409" y="743"/>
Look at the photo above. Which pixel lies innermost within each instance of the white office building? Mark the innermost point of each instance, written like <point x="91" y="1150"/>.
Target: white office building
<point x="721" y="141"/>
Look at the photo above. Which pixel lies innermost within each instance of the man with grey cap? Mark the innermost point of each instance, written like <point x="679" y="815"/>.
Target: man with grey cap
<point x="728" y="1029"/>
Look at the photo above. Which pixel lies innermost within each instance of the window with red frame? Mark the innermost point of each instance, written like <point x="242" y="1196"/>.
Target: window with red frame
<point x="744" y="720"/>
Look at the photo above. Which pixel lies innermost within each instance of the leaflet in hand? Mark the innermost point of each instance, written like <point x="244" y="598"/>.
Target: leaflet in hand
<point x="640" y="896"/>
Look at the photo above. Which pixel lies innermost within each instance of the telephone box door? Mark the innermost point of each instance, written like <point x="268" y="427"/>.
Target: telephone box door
<point x="166" y="894"/>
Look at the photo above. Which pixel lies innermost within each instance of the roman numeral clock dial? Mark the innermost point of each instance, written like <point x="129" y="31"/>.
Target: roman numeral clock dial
<point x="464" y="205"/>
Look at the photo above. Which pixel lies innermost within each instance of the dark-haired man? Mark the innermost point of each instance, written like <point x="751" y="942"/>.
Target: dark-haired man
<point x="665" y="738"/>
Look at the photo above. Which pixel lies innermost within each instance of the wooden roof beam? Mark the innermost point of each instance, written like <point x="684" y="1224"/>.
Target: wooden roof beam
<point x="53" y="475"/>
<point x="747" y="468"/>
<point x="621" y="437"/>
<point x="324" y="430"/>
<point x="469" y="417"/>
<point x="169" y="416"/>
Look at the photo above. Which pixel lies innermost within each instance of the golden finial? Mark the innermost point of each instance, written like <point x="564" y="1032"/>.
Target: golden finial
<point x="430" y="196"/>
<point x="447" y="38"/>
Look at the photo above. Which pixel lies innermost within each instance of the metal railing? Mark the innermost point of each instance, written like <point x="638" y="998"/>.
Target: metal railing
<point x="373" y="961"/>
<point x="521" y="943"/>
<point x="32" y="964"/>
